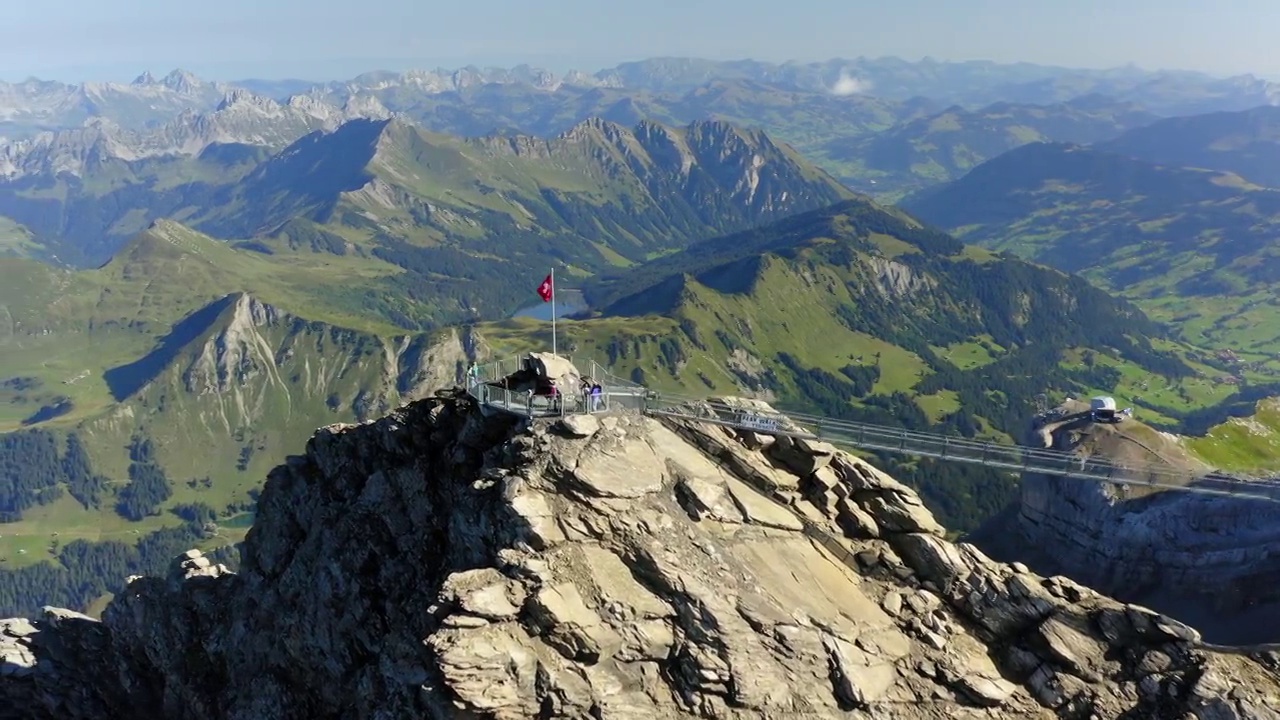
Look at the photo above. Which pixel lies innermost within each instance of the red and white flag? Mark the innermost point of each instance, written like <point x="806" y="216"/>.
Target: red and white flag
<point x="545" y="290"/>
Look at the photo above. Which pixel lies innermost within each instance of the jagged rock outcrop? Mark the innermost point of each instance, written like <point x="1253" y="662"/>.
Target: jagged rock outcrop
<point x="1211" y="560"/>
<point x="241" y="117"/>
<point x="444" y="563"/>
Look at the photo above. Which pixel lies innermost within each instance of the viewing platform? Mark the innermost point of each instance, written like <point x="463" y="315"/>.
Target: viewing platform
<point x="542" y="385"/>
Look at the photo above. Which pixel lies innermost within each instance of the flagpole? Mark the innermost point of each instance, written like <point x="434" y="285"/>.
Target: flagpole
<point x="553" y="311"/>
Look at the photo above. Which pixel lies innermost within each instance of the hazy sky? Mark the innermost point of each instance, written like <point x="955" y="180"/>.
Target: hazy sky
<point x="328" y="39"/>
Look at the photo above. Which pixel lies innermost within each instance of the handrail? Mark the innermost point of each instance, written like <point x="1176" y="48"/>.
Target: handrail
<point x="990" y="454"/>
<point x="867" y="436"/>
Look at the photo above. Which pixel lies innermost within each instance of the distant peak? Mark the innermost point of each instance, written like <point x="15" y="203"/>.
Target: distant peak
<point x="712" y="124"/>
<point x="598" y="123"/>
<point x="181" y="81"/>
<point x="100" y="123"/>
<point x="240" y="96"/>
<point x="651" y="129"/>
<point x="366" y="106"/>
<point x="146" y="78"/>
<point x="577" y="77"/>
<point x="716" y="129"/>
<point x="162" y="237"/>
<point x="594" y="126"/>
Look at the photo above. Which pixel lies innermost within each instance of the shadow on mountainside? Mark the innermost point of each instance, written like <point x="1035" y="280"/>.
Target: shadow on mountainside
<point x="125" y="380"/>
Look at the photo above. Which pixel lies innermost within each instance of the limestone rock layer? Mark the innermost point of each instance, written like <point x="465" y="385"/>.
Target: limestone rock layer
<point x="444" y="563"/>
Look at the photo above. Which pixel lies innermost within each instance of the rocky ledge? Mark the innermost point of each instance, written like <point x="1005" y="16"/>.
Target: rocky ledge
<point x="440" y="563"/>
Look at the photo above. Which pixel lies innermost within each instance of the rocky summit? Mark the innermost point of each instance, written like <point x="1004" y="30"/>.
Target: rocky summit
<point x="444" y="562"/>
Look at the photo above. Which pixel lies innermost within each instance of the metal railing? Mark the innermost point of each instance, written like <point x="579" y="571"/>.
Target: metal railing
<point x="1014" y="458"/>
<point x="615" y="392"/>
<point x="622" y="395"/>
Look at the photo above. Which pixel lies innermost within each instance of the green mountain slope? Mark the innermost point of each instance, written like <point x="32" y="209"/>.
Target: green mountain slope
<point x="1189" y="245"/>
<point x="146" y="400"/>
<point x="158" y="389"/>
<point x="943" y="146"/>
<point x="16" y="240"/>
<point x="83" y="221"/>
<point x="471" y="221"/>
<point x="672" y="181"/>
<point x="467" y="222"/>
<point x="1246" y="143"/>
<point x="64" y="328"/>
<point x="859" y="312"/>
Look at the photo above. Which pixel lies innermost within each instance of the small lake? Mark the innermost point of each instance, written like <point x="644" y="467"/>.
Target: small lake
<point x="241" y="520"/>
<point x="569" y="303"/>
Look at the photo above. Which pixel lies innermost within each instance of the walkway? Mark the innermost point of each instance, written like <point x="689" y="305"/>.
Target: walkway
<point x="625" y="396"/>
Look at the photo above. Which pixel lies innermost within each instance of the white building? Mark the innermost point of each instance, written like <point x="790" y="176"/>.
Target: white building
<point x="1103" y="409"/>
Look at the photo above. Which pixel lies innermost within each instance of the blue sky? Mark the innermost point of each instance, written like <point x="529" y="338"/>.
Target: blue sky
<point x="328" y="39"/>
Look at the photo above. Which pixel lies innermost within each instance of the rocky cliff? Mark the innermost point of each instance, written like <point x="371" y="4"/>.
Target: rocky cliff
<point x="1210" y="560"/>
<point x="441" y="563"/>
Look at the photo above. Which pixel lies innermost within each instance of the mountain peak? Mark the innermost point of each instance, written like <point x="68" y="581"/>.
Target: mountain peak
<point x="593" y="128"/>
<point x="366" y="105"/>
<point x="719" y="130"/>
<point x="245" y="98"/>
<point x="667" y="542"/>
<point x="162" y="239"/>
<point x="181" y="81"/>
<point x="146" y="78"/>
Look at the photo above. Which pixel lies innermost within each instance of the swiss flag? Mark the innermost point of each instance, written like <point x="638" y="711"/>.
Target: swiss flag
<point x="544" y="290"/>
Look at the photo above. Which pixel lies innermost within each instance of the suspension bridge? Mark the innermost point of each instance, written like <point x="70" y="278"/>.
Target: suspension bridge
<point x="619" y="395"/>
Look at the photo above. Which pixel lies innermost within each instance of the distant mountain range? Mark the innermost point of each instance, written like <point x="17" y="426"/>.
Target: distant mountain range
<point x="1181" y="216"/>
<point x="239" y="118"/>
<point x="599" y="195"/>
<point x="44" y="104"/>
<point x="1246" y="143"/>
<point x="942" y="118"/>
<point x="939" y="147"/>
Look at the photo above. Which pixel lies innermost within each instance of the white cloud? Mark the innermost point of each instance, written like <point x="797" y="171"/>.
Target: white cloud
<point x="850" y="85"/>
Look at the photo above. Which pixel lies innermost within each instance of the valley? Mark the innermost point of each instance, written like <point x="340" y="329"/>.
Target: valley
<point x="1191" y="246"/>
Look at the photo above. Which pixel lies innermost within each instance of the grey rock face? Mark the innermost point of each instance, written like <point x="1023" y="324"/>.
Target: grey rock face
<point x="1213" y="559"/>
<point x="439" y="563"/>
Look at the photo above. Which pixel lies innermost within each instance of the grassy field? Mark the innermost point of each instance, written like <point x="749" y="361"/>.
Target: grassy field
<point x="762" y="322"/>
<point x="1140" y="389"/>
<point x="15" y="240"/>
<point x="1249" y="444"/>
<point x="939" y="404"/>
<point x="215" y="447"/>
<point x="1191" y="247"/>
<point x="976" y="353"/>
